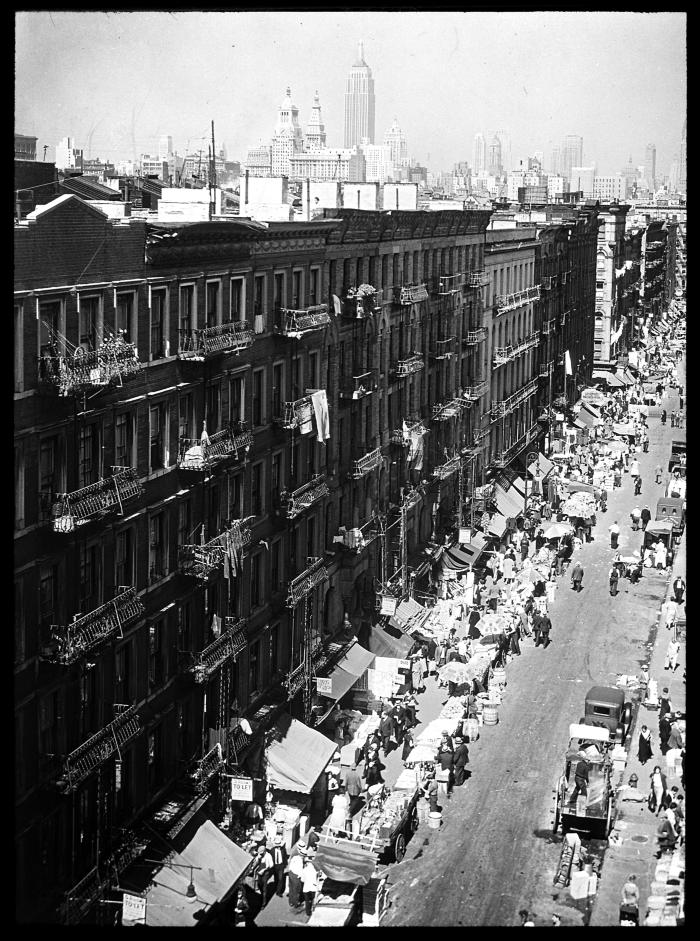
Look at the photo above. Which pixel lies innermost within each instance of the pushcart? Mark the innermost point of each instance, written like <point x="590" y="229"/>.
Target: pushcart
<point x="593" y="812"/>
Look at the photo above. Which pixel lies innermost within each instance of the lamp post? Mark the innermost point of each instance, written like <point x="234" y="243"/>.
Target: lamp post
<point x="530" y="457"/>
<point x="191" y="892"/>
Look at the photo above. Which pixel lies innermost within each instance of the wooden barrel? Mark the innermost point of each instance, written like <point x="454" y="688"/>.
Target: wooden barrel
<point x="490" y="714"/>
<point x="499" y="675"/>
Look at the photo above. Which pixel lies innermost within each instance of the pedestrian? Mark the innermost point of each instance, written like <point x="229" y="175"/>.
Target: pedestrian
<point x="636" y="515"/>
<point x="644" y="751"/>
<point x="637" y="485"/>
<point x="407" y="744"/>
<point x="353" y="786"/>
<point x="672" y="655"/>
<point x="536" y="627"/>
<point x="663" y="416"/>
<point x="279" y="862"/>
<point x="613" y="576"/>
<point x="296" y="867"/>
<point x="577" y="576"/>
<point x="580" y="778"/>
<point x="259" y="872"/>
<point x="461" y="759"/>
<point x="430" y="792"/>
<point x="373" y="770"/>
<point x="666" y="836"/>
<point x="629" y="907"/>
<point x="645" y="516"/>
<point x="645" y="443"/>
<point x="545" y="628"/>
<point x="338" y="820"/>
<point x="659" y="473"/>
<point x="309" y="885"/>
<point x="675" y="738"/>
<point x="513" y="633"/>
<point x="679" y="588"/>
<point x="634" y="468"/>
<point x="493" y="595"/>
<point x="241" y="912"/>
<point x="614" y="531"/>
<point x="657" y="792"/>
<point x="386" y="730"/>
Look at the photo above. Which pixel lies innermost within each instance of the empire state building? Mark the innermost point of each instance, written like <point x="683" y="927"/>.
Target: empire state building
<point x="359" y="102"/>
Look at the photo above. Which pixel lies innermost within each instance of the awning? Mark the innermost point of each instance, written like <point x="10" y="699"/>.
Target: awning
<point x="409" y="615"/>
<point x="345" y="862"/>
<point x="577" y="423"/>
<point x="508" y="502"/>
<point x="518" y="487"/>
<point x="659" y="527"/>
<point x="460" y="558"/>
<point x="297" y="755"/>
<point x="604" y="376"/>
<point x="625" y="378"/>
<point x="542" y="466"/>
<point x="621" y="428"/>
<point x="497" y="525"/>
<point x="220" y="862"/>
<point x="578" y="486"/>
<point x="589" y="417"/>
<point x="347" y="670"/>
<point x="389" y="642"/>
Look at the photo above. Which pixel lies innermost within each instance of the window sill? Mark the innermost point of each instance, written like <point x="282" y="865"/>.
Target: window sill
<point x="161" y="472"/>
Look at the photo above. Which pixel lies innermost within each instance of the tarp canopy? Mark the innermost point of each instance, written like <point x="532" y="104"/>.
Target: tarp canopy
<point x="594" y="396"/>
<point x="659" y="527"/>
<point x="460" y="557"/>
<point x="345" y="861"/>
<point x="508" y="502"/>
<point x="347" y="670"/>
<point x="497" y="525"/>
<point x="577" y="423"/>
<point x="625" y="378"/>
<point x="609" y="377"/>
<point x="297" y="755"/>
<point x="221" y="864"/>
<point x="590" y="415"/>
<point x="542" y="466"/>
<point x="409" y="615"/>
<point x="620" y="428"/>
<point x="389" y="642"/>
<point x="578" y="485"/>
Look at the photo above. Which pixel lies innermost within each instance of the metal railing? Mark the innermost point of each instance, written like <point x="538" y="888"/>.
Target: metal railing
<point x="506" y="302"/>
<point x="230" y="337"/>
<point x="450" y="283"/>
<point x="360" y="306"/>
<point x="70" y="373"/>
<point x="503" y="407"/>
<point x="411" y="293"/>
<point x="98" y="881"/>
<point x="295" y="413"/>
<point x="445" y="410"/>
<point x="207" y="766"/>
<point x="473" y="393"/>
<point x="203" y="559"/>
<point x="402" y="436"/>
<point x="504" y="354"/>
<point x="295" y="502"/>
<point x="299" y="322"/>
<point x="366" y="464"/>
<point x="472" y="337"/>
<point x="93" y="753"/>
<point x="357" y="538"/>
<point x="548" y="327"/>
<point x="443" y="471"/>
<point x="444" y="349"/>
<point x="477" y="279"/>
<point x="358" y="387"/>
<point x="314" y="574"/>
<point x="546" y="284"/>
<point x="198" y="454"/>
<point x="109" y="493"/>
<point x="507" y="455"/>
<point x="546" y="368"/>
<point x="228" y="645"/>
<point x="407" y="367"/>
<point x="86" y="633"/>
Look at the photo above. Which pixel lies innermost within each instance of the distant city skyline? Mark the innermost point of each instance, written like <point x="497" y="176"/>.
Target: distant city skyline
<point x="443" y="76"/>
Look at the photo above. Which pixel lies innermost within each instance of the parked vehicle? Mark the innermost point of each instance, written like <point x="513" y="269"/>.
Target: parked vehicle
<point x="594" y="811"/>
<point x="672" y="508"/>
<point x="606" y="708"/>
<point x="678" y="448"/>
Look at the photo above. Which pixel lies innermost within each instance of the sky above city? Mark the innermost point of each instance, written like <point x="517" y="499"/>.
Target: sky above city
<point x="116" y="82"/>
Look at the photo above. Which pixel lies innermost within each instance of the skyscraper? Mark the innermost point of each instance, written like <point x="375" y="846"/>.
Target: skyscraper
<point x="359" y="102"/>
<point x="165" y="146"/>
<point x="650" y="166"/>
<point x="506" y="154"/>
<point x="494" y="162"/>
<point x="288" y="138"/>
<point x="555" y="161"/>
<point x="479" y="153"/>
<point x="315" y="129"/>
<point x="682" y="162"/>
<point x="571" y="154"/>
<point x="395" y="140"/>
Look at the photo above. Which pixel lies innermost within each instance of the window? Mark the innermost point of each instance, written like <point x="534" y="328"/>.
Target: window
<point x="20" y="635"/>
<point x="236" y="399"/>
<point x="274" y="649"/>
<point x="184" y="626"/>
<point x="155" y="653"/>
<point x="185" y="416"/>
<point x="90" y="585"/>
<point x="237" y="312"/>
<point x="310" y="537"/>
<point x="49" y="325"/>
<point x="313" y="377"/>
<point x="187" y="316"/>
<point x="51" y="724"/>
<point x="296" y="377"/>
<point x="124" y="558"/>
<point x="258" y="401"/>
<point x="236" y="496"/>
<point x="123" y="774"/>
<point x="276" y="574"/>
<point x="257" y="489"/>
<point x="158" y="300"/>
<point x="19" y="488"/>
<point x="184" y="523"/>
<point x="124" y="316"/>
<point x="215" y="509"/>
<point x="254" y="667"/>
<point x="213" y="303"/>
<point x="157" y="547"/>
<point x="213" y="414"/>
<point x="313" y="287"/>
<point x="155" y="757"/>
<point x="88" y="313"/>
<point x="296" y="290"/>
<point x="158" y="423"/>
<point x="259" y="295"/>
<point x="19" y="348"/>
<point x="279" y="298"/>
<point x="277" y="389"/>
<point x="123" y="675"/>
<point x="123" y="440"/>
<point x="277" y="482"/>
<point x="89" y="454"/>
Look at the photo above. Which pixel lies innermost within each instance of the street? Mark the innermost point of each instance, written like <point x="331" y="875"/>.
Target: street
<point x="496" y="843"/>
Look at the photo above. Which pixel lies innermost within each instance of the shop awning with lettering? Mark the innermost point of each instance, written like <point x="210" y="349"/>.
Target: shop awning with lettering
<point x="296" y="756"/>
<point x="346" y="671"/>
<point x="460" y="558"/>
<point x="542" y="466"/>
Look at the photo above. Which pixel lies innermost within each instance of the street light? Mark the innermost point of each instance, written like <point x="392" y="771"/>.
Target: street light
<point x="530" y="457"/>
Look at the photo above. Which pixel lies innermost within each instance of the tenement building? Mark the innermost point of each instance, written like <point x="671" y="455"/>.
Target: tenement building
<point x="228" y="438"/>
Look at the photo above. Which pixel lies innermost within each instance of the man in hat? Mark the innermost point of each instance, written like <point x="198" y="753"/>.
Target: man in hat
<point x="675" y="738"/>
<point x="386" y="729"/>
<point x="353" y="788"/>
<point x="659" y="473"/>
<point x="577" y="576"/>
<point x="679" y="589"/>
<point x="296" y="867"/>
<point x="645" y="516"/>
<point x="260" y="870"/>
<point x="279" y="862"/>
<point x="461" y="759"/>
<point x="580" y="778"/>
<point x="614" y="534"/>
<point x="636" y="517"/>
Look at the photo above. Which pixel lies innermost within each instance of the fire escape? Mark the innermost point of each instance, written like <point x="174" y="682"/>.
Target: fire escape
<point x="204" y="559"/>
<point x="71" y="510"/>
<point x="200" y="454"/>
<point x="71" y="370"/>
<point x="199" y="345"/>
<point x="299" y="602"/>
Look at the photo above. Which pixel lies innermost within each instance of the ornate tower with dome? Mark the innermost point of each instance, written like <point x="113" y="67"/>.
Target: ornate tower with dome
<point x="288" y="138"/>
<point x="315" y="129"/>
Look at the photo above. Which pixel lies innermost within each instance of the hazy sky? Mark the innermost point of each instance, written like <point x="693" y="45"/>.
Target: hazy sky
<point x="117" y="81"/>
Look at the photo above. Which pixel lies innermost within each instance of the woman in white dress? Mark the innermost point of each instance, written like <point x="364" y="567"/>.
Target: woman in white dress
<point x="339" y="811"/>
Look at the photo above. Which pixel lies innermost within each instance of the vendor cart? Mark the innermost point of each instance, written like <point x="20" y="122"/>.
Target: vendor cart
<point x="593" y="812"/>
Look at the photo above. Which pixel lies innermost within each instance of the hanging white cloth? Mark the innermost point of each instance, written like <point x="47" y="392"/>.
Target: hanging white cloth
<point x="336" y="305"/>
<point x="306" y="425"/>
<point x="319" y="400"/>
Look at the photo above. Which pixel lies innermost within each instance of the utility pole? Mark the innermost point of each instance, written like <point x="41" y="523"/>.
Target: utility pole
<point x="212" y="176"/>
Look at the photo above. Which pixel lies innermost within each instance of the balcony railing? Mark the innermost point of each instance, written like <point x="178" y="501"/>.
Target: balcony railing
<point x="472" y="337"/>
<point x="292" y="503"/>
<point x="410" y="430"/>
<point x="315" y="574"/>
<point x="295" y="413"/>
<point x="359" y="306"/>
<point x="477" y="279"/>
<point x="366" y="464"/>
<point x="203" y="559"/>
<point x="564" y="316"/>
<point x="499" y="409"/>
<point x="503" y="458"/>
<point x="546" y="284"/>
<point x="443" y="471"/>
<point x="546" y="369"/>
<point x="446" y="410"/>
<point x="72" y="373"/>
<point x="357" y="538"/>
<point x="297" y="323"/>
<point x="197" y="454"/>
<point x="504" y="354"/>
<point x="230" y="337"/>
<point x="548" y="327"/>
<point x="506" y="302"/>
<point x="407" y="367"/>
<point x="473" y="393"/>
<point x="86" y="633"/>
<point x="450" y="283"/>
<point x="358" y="387"/>
<point x="93" y="753"/>
<point x="91" y="502"/>
<point x="207" y="767"/>
<point x="444" y="349"/>
<point x="228" y="645"/>
<point x="410" y="294"/>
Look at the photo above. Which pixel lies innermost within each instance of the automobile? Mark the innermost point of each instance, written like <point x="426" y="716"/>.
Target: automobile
<point x="605" y="707"/>
<point x="678" y="449"/>
<point x="672" y="508"/>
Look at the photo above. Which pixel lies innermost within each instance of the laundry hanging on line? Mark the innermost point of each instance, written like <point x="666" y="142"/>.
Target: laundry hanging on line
<point x="319" y="400"/>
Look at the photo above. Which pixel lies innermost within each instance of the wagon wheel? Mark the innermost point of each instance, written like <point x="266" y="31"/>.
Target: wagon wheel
<point x="557" y="813"/>
<point x="414" y="822"/>
<point x="609" y="820"/>
<point x="399" y="847"/>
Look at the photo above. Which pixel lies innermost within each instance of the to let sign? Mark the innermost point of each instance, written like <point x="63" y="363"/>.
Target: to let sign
<point x="324" y="684"/>
<point x="134" y="908"/>
<point x="388" y="605"/>
<point x="241" y="789"/>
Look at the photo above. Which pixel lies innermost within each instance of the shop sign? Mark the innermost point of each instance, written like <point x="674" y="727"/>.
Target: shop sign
<point x="404" y="665"/>
<point x="241" y="789"/>
<point x="324" y="684"/>
<point x="388" y="605"/>
<point x="134" y="909"/>
<point x="465" y="536"/>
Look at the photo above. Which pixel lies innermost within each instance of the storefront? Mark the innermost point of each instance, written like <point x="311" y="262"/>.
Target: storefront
<point x="345" y="675"/>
